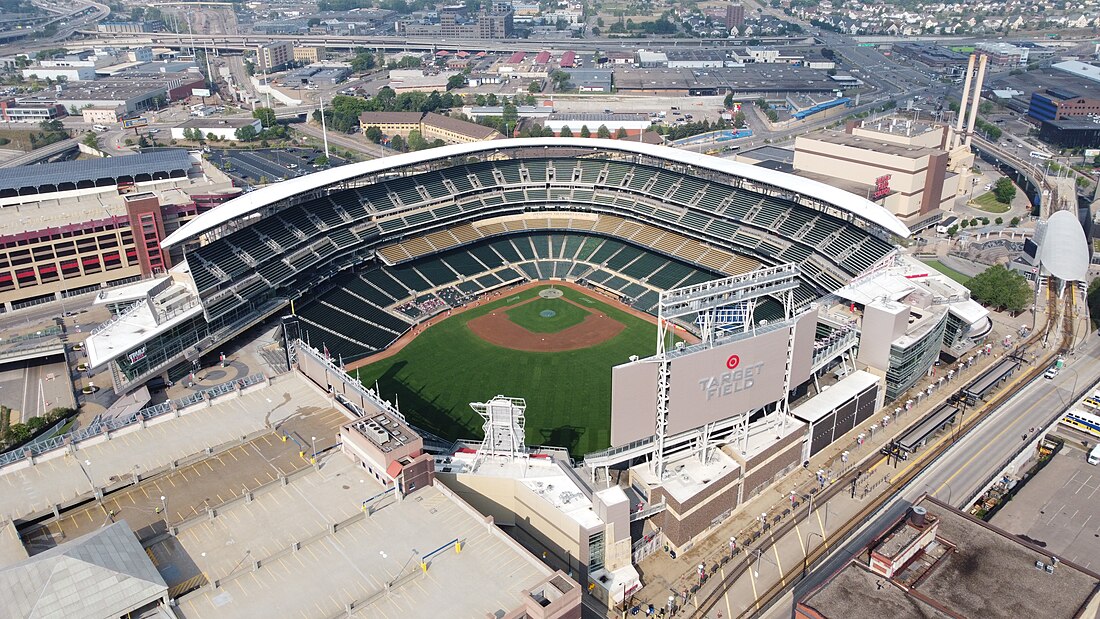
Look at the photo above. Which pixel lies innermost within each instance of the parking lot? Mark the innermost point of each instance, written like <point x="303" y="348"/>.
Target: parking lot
<point x="257" y="167"/>
<point x="1056" y="509"/>
<point x="191" y="490"/>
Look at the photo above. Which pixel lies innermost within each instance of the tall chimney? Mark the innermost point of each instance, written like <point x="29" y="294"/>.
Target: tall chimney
<point x="974" y="104"/>
<point x="956" y="140"/>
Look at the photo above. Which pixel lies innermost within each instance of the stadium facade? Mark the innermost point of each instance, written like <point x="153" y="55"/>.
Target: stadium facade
<point x="778" y="275"/>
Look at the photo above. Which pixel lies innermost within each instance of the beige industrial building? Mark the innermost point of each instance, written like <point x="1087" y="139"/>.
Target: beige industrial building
<point x="894" y="162"/>
<point x="309" y="55"/>
<point x="274" y="55"/>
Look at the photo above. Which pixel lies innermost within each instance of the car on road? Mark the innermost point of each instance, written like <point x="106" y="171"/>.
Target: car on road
<point x="1051" y="373"/>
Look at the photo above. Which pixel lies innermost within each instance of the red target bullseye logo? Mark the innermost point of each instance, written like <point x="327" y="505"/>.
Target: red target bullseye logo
<point x="733" y="362"/>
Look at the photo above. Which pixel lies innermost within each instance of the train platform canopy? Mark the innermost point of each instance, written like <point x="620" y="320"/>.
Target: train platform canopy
<point x="1064" y="250"/>
<point x="69" y="175"/>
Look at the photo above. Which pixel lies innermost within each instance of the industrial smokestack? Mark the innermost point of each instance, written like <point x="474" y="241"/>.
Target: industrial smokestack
<point x="975" y="103"/>
<point x="957" y="139"/>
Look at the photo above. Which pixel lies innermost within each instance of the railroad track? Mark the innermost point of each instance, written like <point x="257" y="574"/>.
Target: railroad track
<point x="793" y="576"/>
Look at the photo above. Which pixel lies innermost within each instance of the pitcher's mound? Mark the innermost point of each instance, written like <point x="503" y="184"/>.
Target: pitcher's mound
<point x="497" y="329"/>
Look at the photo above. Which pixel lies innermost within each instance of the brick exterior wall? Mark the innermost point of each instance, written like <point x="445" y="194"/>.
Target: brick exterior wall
<point x="681" y="529"/>
<point x="763" y="473"/>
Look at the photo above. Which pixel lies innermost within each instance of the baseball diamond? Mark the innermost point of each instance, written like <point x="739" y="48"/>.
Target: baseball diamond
<point x="565" y="374"/>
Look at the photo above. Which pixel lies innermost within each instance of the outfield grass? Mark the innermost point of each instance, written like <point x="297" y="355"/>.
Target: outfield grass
<point x="568" y="393"/>
<point x="948" y="271"/>
<point x="529" y="315"/>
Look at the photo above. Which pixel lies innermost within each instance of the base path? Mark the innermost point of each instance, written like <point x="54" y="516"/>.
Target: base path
<point x="497" y="329"/>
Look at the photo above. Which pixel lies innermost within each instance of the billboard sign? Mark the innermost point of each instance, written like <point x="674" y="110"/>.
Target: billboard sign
<point x="633" y="402"/>
<point x="882" y="187"/>
<point x="134" y="123"/>
<point x="712" y="384"/>
<point x="200" y="92"/>
<point x="136" y="355"/>
<point x="727" y="380"/>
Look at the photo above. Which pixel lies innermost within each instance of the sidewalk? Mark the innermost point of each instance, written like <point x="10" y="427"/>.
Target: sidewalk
<point x="663" y="575"/>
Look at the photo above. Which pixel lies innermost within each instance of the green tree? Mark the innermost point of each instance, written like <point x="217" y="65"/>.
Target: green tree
<point x="603" y="132"/>
<point x="974" y="222"/>
<point x="999" y="221"/>
<point x="565" y="132"/>
<point x="510" y="115"/>
<point x="52" y="126"/>
<point x="37" y="423"/>
<point x="457" y="80"/>
<point x="398" y="143"/>
<point x="417" y="141"/>
<point x="1014" y="222"/>
<point x="266" y="116"/>
<point x="1004" y="190"/>
<point x="953" y="230"/>
<point x="621" y="133"/>
<point x="1000" y="288"/>
<point x="321" y="160"/>
<point x="17" y="433"/>
<point x="374" y="134"/>
<point x="585" y="133"/>
<point x="246" y="133"/>
<point x="534" y="87"/>
<point x="363" y="61"/>
<point x="1093" y="300"/>
<point x="965" y="223"/>
<point x="728" y="101"/>
<point x="91" y="140"/>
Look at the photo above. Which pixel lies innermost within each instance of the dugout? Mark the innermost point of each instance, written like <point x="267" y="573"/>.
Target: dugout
<point x="839" y="408"/>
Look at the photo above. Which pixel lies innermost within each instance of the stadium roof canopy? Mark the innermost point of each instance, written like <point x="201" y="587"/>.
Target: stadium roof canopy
<point x="1064" y="250"/>
<point x="91" y="172"/>
<point x="102" y="574"/>
<point x="254" y="201"/>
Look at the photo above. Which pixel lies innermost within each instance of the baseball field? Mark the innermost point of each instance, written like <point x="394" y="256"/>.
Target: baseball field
<point x="556" y="353"/>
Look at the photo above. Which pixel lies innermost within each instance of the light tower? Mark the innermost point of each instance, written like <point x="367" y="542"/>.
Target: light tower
<point x="504" y="427"/>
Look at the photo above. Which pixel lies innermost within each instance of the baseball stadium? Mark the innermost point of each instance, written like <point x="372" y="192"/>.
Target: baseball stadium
<point x="669" y="312"/>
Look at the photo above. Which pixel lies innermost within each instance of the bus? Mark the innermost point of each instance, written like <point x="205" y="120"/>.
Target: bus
<point x="1038" y="155"/>
<point x="1080" y="420"/>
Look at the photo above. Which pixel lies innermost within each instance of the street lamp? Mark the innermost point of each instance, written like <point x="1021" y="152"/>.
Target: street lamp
<point x="806" y="555"/>
<point x="313" y="442"/>
<point x="164" y="509"/>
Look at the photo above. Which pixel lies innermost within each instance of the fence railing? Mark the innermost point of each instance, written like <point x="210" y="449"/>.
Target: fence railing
<point x="117" y="423"/>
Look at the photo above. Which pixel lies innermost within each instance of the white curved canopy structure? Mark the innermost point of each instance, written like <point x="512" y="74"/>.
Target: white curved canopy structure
<point x="255" y="201"/>
<point x="1065" y="250"/>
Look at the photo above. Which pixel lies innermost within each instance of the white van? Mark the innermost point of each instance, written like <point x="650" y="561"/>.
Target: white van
<point x="99" y="128"/>
<point x="1094" y="455"/>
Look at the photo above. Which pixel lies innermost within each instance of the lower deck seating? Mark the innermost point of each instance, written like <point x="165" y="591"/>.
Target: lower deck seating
<point x="367" y="311"/>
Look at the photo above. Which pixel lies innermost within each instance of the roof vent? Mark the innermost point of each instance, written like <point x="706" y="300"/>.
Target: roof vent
<point x="917" y="515"/>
